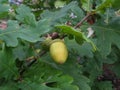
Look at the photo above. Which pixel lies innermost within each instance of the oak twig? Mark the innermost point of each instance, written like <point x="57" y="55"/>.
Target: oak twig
<point x="80" y="23"/>
<point x="29" y="62"/>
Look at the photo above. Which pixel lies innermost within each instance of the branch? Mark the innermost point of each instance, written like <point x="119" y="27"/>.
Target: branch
<point x="80" y="23"/>
<point x="30" y="62"/>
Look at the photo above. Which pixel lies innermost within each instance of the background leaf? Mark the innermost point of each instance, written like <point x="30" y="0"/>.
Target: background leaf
<point x="103" y="5"/>
<point x="63" y="15"/>
<point x="4" y="9"/>
<point x="115" y="4"/>
<point x="52" y="79"/>
<point x="24" y="15"/>
<point x="107" y="34"/>
<point x="87" y="5"/>
<point x="105" y="86"/>
<point x="8" y="68"/>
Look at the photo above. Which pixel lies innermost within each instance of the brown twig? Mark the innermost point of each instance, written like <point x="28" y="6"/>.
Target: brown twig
<point x="80" y="23"/>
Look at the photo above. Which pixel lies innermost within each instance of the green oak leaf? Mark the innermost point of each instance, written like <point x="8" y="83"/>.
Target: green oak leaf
<point x="116" y="4"/>
<point x="87" y="5"/>
<point x="103" y="5"/>
<point x="79" y="36"/>
<point x="116" y="69"/>
<point x="83" y="50"/>
<point x="107" y="34"/>
<point x="71" y="68"/>
<point x="9" y="86"/>
<point x="62" y="15"/>
<point x="105" y="85"/>
<point x="75" y="70"/>
<point x="4" y="9"/>
<point x="14" y="31"/>
<point x="24" y="15"/>
<point x="49" y="77"/>
<point x="59" y="3"/>
<point x="8" y="68"/>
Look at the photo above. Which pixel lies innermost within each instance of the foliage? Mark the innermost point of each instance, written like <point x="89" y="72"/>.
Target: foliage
<point x="89" y="28"/>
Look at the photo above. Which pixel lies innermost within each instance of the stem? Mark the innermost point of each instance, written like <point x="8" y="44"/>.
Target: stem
<point x="33" y="60"/>
<point x="42" y="53"/>
<point x="80" y="23"/>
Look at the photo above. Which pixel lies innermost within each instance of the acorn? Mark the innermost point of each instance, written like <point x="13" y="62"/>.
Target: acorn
<point x="58" y="51"/>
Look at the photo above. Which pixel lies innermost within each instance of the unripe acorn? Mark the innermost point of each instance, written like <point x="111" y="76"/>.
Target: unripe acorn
<point x="58" y="51"/>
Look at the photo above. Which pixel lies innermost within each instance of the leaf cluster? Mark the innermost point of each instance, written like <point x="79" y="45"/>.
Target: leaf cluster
<point x="26" y="28"/>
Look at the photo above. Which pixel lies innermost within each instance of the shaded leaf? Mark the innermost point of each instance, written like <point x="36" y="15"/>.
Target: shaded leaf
<point x="9" y="86"/>
<point x="72" y="68"/>
<point x="106" y="85"/>
<point x="116" y="69"/>
<point x="103" y="5"/>
<point x="81" y="50"/>
<point x="52" y="79"/>
<point x="116" y="4"/>
<point x="23" y="51"/>
<point x="8" y="68"/>
<point x="107" y="34"/>
<point x="31" y="85"/>
<point x="75" y="70"/>
<point x="4" y="9"/>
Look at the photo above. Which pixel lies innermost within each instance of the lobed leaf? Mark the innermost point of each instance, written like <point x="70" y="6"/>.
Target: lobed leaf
<point x="53" y="79"/>
<point x="79" y="36"/>
<point x="14" y="32"/>
<point x="63" y="15"/>
<point x="107" y="35"/>
<point x="24" y="15"/>
<point x="8" y="67"/>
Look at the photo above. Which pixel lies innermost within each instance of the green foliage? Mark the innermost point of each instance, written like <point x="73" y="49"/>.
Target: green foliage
<point x="7" y="64"/>
<point x="107" y="33"/>
<point x="49" y="78"/>
<point x="83" y="50"/>
<point x="115" y="4"/>
<point x="105" y="85"/>
<point x="24" y="65"/>
<point x="79" y="36"/>
<point x="4" y="10"/>
<point x="25" y="15"/>
<point x="14" y="31"/>
<point x="63" y="15"/>
<point x="104" y="4"/>
<point x="74" y="70"/>
<point x="87" y="5"/>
